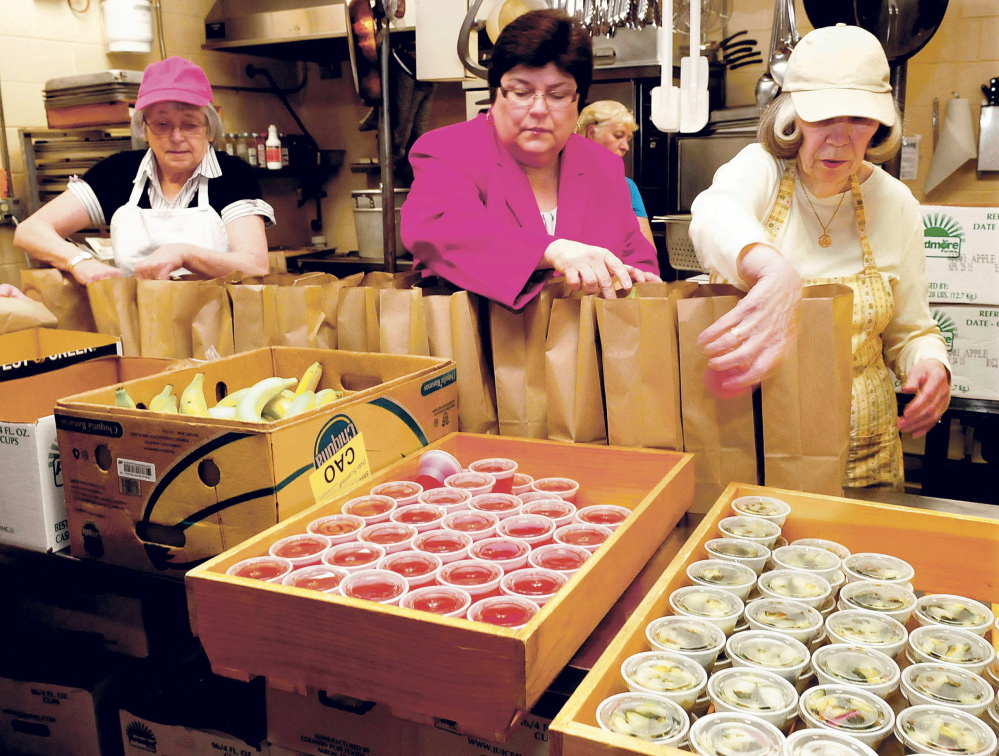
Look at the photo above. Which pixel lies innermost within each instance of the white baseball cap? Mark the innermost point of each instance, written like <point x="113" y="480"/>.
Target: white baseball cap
<point x="837" y="71"/>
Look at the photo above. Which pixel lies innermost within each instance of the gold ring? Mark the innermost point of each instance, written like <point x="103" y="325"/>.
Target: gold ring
<point x="734" y="330"/>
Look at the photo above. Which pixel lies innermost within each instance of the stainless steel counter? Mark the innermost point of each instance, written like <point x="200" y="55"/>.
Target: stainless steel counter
<point x="949" y="506"/>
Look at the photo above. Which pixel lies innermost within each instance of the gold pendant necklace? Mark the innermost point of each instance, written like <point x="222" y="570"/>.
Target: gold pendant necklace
<point x="825" y="239"/>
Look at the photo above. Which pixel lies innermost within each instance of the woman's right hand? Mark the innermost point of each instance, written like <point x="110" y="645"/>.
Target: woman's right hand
<point x="89" y="271"/>
<point x="749" y="340"/>
<point x="593" y="269"/>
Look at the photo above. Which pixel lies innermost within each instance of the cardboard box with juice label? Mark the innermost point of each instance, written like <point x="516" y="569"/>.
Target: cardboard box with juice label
<point x="962" y="253"/>
<point x="163" y="493"/>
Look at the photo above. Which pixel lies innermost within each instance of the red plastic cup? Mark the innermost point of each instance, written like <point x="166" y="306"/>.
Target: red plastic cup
<point x="420" y="516"/>
<point x="502" y="505"/>
<point x="521" y="483"/>
<point x="533" y="528"/>
<point x="370" y="508"/>
<point x="528" y="496"/>
<point x="318" y="577"/>
<point x="479" y="578"/>
<point x="508" y="553"/>
<point x="339" y="528"/>
<point x="559" y="510"/>
<point x="452" y="499"/>
<point x="417" y="567"/>
<point x="473" y="482"/>
<point x="608" y="515"/>
<point x="564" y="488"/>
<point x="537" y="584"/>
<point x="478" y="525"/>
<point x="434" y="466"/>
<point x="500" y="468"/>
<point x="404" y="492"/>
<point x="391" y="536"/>
<point x="590" y="537"/>
<point x="505" y="611"/>
<point x="449" y="545"/>
<point x="270" y="569"/>
<point x="438" y="599"/>
<point x="560" y="557"/>
<point x="353" y="556"/>
<point x="303" y="549"/>
<point x="380" y="586"/>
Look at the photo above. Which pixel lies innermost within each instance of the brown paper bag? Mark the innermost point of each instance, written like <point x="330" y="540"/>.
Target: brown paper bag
<point x="401" y="322"/>
<point x="806" y="400"/>
<point x="62" y="295"/>
<point x="357" y="312"/>
<point x="455" y="329"/>
<point x="182" y="319"/>
<point x="116" y="312"/>
<point x="719" y="432"/>
<point x="16" y="314"/>
<point x="641" y="365"/>
<point x="573" y="382"/>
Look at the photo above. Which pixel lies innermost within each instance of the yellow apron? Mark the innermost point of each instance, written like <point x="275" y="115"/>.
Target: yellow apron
<point x="875" y="447"/>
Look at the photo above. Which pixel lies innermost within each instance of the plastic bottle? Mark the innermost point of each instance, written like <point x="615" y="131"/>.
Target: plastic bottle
<point x="261" y="139"/>
<point x="273" y="145"/>
<point x="250" y="140"/>
<point x="241" y="151"/>
<point x="230" y="148"/>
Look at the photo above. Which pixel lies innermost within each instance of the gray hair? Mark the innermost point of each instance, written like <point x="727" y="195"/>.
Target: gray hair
<point x="779" y="134"/>
<point x="602" y="112"/>
<point x="215" y="127"/>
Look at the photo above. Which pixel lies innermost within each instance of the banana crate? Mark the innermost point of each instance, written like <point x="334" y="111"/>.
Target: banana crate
<point x="477" y="677"/>
<point x="164" y="492"/>
<point x="951" y="554"/>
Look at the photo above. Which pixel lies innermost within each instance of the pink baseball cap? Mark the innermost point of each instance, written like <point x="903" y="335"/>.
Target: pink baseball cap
<point x="175" y="80"/>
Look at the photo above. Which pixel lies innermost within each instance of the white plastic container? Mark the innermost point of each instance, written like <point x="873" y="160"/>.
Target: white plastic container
<point x="954" y="611"/>
<point x="944" y="685"/>
<point x="838" y="664"/>
<point x="675" y="676"/>
<point x="884" y="598"/>
<point x="724" y="733"/>
<point x="753" y="555"/>
<point x="861" y="628"/>
<point x="939" y="730"/>
<point x="645" y="716"/>
<point x="368" y="221"/>
<point x="694" y="638"/>
<point x="712" y="605"/>
<point x="128" y="25"/>
<point x="825" y="707"/>
<point x="797" y="620"/>
<point x="754" y="692"/>
<point x="770" y="651"/>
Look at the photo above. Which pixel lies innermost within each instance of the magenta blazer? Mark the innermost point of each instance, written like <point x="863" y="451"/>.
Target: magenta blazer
<point x="472" y="219"/>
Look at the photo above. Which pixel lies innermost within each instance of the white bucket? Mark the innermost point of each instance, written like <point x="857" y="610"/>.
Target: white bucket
<point x="368" y="221"/>
<point x="128" y="25"/>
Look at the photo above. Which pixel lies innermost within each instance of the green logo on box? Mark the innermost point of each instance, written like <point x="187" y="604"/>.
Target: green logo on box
<point x="947" y="327"/>
<point x="942" y="236"/>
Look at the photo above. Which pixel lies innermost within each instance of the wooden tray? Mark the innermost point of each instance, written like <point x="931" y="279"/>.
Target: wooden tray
<point x="933" y="543"/>
<point x="423" y="666"/>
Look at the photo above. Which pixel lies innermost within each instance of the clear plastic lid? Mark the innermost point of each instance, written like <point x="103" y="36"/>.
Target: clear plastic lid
<point x="663" y="672"/>
<point x="951" y="686"/>
<point x="736" y="548"/>
<point x="707" y="602"/>
<point x="741" y="526"/>
<point x="685" y="634"/>
<point x="855" y="665"/>
<point x="808" y="558"/>
<point x="849" y="710"/>
<point x="954" y="611"/>
<point x="880" y="567"/>
<point x="824" y="543"/>
<point x="761" y="506"/>
<point x="783" y="615"/>
<point x="720" y="572"/>
<point x="795" y="584"/>
<point x="877" y="597"/>
<point x="645" y="716"/>
<point x="766" y="650"/>
<point x="951" y="645"/>
<point x="943" y="730"/>
<point x="824" y="743"/>
<point x="729" y="734"/>
<point x="865" y="628"/>
<point x="752" y="691"/>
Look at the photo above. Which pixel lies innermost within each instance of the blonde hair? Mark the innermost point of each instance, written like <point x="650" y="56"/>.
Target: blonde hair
<point x="779" y="134"/>
<point x="215" y="128"/>
<point x="604" y="112"/>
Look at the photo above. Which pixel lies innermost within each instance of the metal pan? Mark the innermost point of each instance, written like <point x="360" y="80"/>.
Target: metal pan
<point x="903" y="26"/>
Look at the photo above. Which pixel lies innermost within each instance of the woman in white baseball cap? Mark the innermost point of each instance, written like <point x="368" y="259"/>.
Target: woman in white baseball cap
<point x="809" y="205"/>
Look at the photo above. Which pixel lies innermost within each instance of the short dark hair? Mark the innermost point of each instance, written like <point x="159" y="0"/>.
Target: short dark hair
<point x="538" y="38"/>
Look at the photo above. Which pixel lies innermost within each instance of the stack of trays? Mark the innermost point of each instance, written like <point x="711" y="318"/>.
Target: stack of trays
<point x="100" y="98"/>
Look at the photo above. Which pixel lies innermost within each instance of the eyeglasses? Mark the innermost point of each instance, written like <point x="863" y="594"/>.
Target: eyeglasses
<point x="556" y="99"/>
<point x="162" y="128"/>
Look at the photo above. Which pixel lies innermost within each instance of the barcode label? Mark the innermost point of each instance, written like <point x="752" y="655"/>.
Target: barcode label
<point x="130" y="487"/>
<point x="128" y="468"/>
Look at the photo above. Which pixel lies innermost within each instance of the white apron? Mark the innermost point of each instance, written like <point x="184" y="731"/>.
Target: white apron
<point x="137" y="232"/>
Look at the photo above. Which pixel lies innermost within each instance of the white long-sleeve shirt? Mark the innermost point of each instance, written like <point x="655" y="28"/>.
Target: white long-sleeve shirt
<point x="729" y="216"/>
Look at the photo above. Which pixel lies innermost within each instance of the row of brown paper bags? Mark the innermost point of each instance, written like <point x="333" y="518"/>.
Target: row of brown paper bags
<point x="566" y="367"/>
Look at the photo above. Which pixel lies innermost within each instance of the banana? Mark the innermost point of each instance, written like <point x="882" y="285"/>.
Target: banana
<point x="223" y="413"/>
<point x="304" y="401"/>
<point x="164" y="401"/>
<point x="310" y="379"/>
<point x="122" y="399"/>
<point x="326" y="396"/>
<point x="250" y="406"/>
<point x="231" y="400"/>
<point x="192" y="400"/>
<point x="277" y="407"/>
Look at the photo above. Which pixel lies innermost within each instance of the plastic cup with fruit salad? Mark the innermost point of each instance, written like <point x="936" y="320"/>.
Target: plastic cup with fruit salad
<point x="849" y="710"/>
<point x="678" y="677"/>
<point x="824" y="743"/>
<point x="645" y="716"/>
<point x="889" y="599"/>
<point x="770" y="651"/>
<point x="766" y="507"/>
<point x="727" y="734"/>
<point x="854" y="627"/>
<point x="807" y="559"/>
<point x="729" y="576"/>
<point x="693" y="638"/>
<point x="712" y="605"/>
<point x="754" y="529"/>
<point x="838" y="664"/>
<point x="805" y="587"/>
<point x="824" y="543"/>
<point x="754" y="692"/>
<point x="792" y="618"/>
<point x="753" y="555"/>
<point x="941" y="730"/>
<point x="944" y="685"/>
<point x="948" y="645"/>
<point x="954" y="611"/>
<point x="882" y="568"/>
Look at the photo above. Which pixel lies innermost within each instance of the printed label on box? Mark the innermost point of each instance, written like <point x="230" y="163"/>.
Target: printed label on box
<point x="344" y="468"/>
<point x="962" y="265"/>
<point x="130" y="468"/>
<point x="972" y="337"/>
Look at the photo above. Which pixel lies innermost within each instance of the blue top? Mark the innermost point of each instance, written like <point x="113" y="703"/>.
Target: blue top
<point x="636" y="199"/>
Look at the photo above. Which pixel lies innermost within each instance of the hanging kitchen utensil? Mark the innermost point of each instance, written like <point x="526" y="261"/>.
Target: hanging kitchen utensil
<point x="694" y="103"/>
<point x="744" y="63"/>
<point x="665" y="110"/>
<point x="744" y="60"/>
<point x="830" y="12"/>
<point x="362" y="46"/>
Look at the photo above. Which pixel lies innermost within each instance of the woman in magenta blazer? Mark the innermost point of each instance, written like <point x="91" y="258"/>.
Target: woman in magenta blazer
<point x="501" y="202"/>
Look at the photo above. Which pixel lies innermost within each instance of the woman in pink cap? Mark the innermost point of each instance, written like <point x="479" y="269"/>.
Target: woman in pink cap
<point x="808" y="205"/>
<point x="178" y="206"/>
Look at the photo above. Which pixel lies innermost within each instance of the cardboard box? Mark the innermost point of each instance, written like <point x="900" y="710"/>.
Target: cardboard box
<point x="951" y="554"/>
<point x="140" y="737"/>
<point x="972" y="336"/>
<point x="99" y="114"/>
<point x="39" y="350"/>
<point x="962" y="253"/>
<point x="32" y="506"/>
<point x="162" y="492"/>
<point x="423" y="666"/>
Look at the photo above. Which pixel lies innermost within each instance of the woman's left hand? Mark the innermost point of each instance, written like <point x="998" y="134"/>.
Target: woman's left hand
<point x="930" y="382"/>
<point x="9" y="290"/>
<point x="161" y="263"/>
